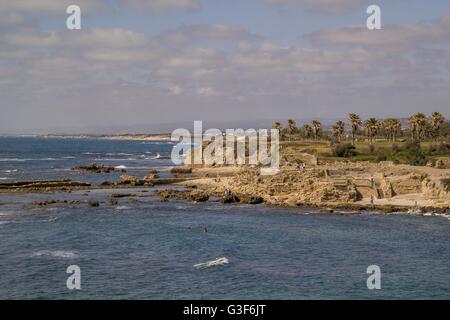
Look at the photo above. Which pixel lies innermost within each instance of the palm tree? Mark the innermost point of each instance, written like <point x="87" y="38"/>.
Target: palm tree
<point x="418" y="123"/>
<point x="396" y="127"/>
<point x="355" y="123"/>
<point x="317" y="126"/>
<point x="372" y="127"/>
<point x="392" y="128"/>
<point x="387" y="129"/>
<point x="291" y="127"/>
<point x="277" y="126"/>
<point x="308" y="131"/>
<point x="437" y="120"/>
<point x="338" y="130"/>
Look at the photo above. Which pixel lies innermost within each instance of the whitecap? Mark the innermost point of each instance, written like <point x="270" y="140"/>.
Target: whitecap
<point x="57" y="254"/>
<point x="212" y="263"/>
<point x="13" y="160"/>
<point x="119" y="154"/>
<point x="122" y="208"/>
<point x="120" y="167"/>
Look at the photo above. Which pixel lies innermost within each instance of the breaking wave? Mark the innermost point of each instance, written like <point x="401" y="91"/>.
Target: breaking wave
<point x="212" y="263"/>
<point x="57" y="254"/>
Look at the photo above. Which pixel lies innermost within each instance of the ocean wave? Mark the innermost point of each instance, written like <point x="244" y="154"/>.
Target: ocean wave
<point x="27" y="159"/>
<point x="57" y="254"/>
<point x="119" y="154"/>
<point x="120" y="167"/>
<point x="158" y="142"/>
<point x="10" y="171"/>
<point x="143" y="158"/>
<point x="122" y="208"/>
<point x="212" y="263"/>
<point x="4" y="178"/>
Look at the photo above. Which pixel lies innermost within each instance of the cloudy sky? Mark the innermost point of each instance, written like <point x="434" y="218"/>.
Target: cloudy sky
<point x="152" y="63"/>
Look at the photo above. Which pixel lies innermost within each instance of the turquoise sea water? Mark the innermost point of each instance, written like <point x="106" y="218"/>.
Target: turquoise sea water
<point x="147" y="249"/>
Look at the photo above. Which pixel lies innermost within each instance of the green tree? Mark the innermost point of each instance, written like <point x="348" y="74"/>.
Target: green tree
<point x="392" y="128"/>
<point x="418" y="124"/>
<point x="372" y="126"/>
<point x="355" y="122"/>
<point x="291" y="127"/>
<point x="338" y="130"/>
<point x="308" y="131"/>
<point x="317" y="127"/>
<point x="437" y="120"/>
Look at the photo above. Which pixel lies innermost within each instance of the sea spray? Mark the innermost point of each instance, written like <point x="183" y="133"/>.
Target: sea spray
<point x="212" y="263"/>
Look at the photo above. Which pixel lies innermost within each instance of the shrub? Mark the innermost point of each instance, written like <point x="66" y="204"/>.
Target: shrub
<point x="414" y="155"/>
<point x="381" y="156"/>
<point x="440" y="149"/>
<point x="395" y="149"/>
<point x="181" y="170"/>
<point x="346" y="150"/>
<point x="446" y="183"/>
<point x="371" y="149"/>
<point x="443" y="148"/>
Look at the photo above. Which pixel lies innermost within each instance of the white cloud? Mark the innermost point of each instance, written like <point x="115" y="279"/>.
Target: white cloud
<point x="389" y="38"/>
<point x="188" y="34"/>
<point x="208" y="92"/>
<point x="162" y="5"/>
<point x="329" y="6"/>
<point x="175" y="90"/>
<point x="90" y="74"/>
<point x="51" y="6"/>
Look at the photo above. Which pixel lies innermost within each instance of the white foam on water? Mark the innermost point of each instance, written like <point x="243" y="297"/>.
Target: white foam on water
<point x="25" y="159"/>
<point x="122" y="208"/>
<point x="212" y="263"/>
<point x="13" y="160"/>
<point x="57" y="254"/>
<point x="119" y="154"/>
<point x="10" y="171"/>
<point x="120" y="167"/>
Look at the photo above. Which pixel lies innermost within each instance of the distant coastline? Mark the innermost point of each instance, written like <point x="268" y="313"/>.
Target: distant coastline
<point x="138" y="137"/>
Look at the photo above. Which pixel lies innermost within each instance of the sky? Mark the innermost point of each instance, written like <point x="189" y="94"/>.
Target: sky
<point x="150" y="65"/>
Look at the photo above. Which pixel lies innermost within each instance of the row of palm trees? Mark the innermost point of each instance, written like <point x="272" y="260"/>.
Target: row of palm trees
<point x="312" y="130"/>
<point x="421" y="127"/>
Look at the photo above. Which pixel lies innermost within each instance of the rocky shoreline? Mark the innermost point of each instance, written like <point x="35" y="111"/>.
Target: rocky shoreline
<point x="355" y="187"/>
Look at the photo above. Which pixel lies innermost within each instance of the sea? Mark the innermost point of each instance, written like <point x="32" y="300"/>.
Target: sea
<point x="142" y="248"/>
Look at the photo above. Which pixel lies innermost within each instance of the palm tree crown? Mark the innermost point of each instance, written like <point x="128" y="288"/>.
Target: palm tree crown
<point x="372" y="126"/>
<point x="339" y="129"/>
<point x="355" y="122"/>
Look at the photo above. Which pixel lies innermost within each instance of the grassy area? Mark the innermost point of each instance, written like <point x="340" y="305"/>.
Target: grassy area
<point x="379" y="151"/>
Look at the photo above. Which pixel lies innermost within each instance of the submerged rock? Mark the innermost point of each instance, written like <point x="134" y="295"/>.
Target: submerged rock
<point x="229" y="197"/>
<point x="93" y="203"/>
<point x="97" y="168"/>
<point x="250" y="199"/>
<point x="181" y="170"/>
